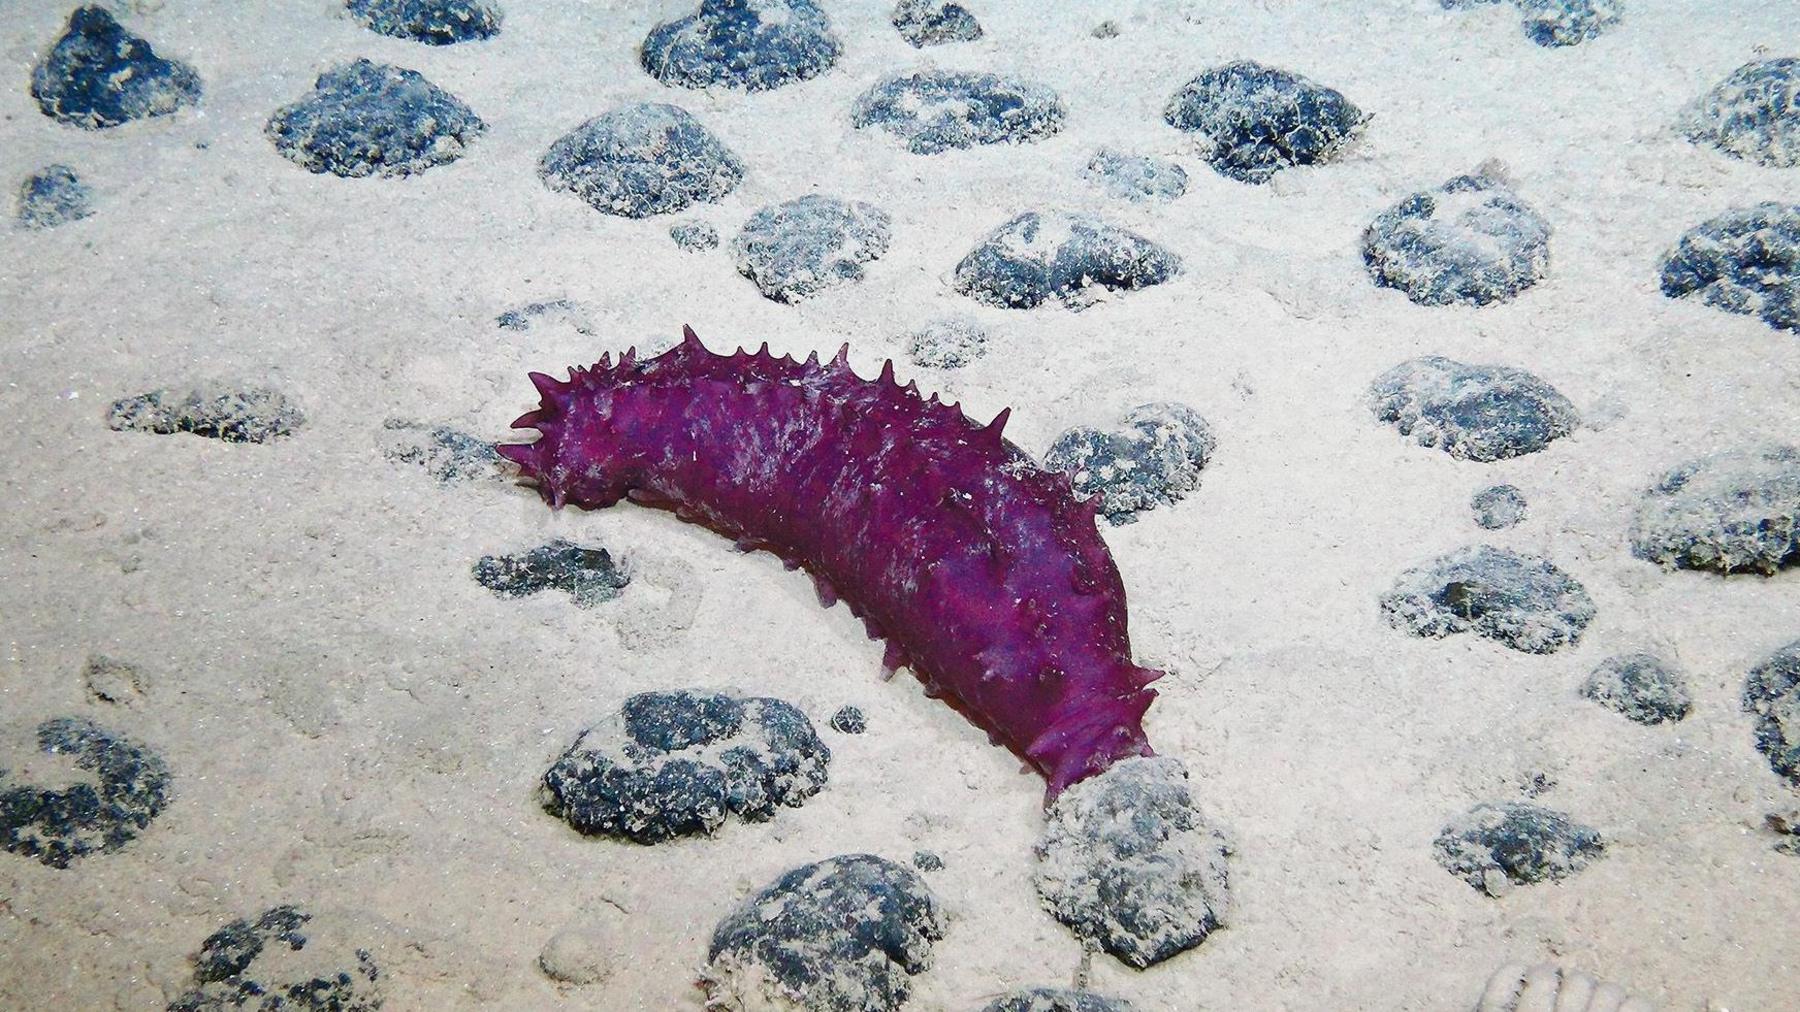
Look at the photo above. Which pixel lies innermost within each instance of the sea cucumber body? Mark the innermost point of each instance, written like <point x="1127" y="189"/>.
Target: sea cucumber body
<point x="984" y="573"/>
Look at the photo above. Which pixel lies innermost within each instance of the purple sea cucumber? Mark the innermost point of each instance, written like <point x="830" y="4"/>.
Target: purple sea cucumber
<point x="985" y="573"/>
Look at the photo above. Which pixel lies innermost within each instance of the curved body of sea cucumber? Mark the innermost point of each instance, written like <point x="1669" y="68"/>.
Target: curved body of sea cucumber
<point x="985" y="573"/>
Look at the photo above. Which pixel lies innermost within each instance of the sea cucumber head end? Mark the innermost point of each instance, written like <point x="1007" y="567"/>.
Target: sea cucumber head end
<point x="1104" y="732"/>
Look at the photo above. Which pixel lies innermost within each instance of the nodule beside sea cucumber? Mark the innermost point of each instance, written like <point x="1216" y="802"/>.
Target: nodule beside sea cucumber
<point x="985" y="574"/>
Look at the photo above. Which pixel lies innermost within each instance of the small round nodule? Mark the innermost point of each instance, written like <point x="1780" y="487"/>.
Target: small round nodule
<point x="1498" y="507"/>
<point x="849" y="720"/>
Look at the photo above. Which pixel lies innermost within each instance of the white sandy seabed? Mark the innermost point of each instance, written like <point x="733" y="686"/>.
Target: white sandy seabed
<point x="353" y="723"/>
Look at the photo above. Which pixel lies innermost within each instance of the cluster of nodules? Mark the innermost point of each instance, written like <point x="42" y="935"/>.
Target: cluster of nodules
<point x="1470" y="241"/>
<point x="850" y="932"/>
<point x="1733" y="511"/>
<point x="1497" y="847"/>
<point x="845" y="932"/>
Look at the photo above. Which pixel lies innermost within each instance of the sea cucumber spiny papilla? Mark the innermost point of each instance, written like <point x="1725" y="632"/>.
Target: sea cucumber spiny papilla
<point x="985" y="574"/>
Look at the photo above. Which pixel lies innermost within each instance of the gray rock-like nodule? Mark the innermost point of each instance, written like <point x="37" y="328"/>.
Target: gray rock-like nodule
<point x="1753" y="114"/>
<point x="1252" y="120"/>
<point x="849" y="720"/>
<point x="1471" y="412"/>
<point x="286" y="960"/>
<point x="694" y="236"/>
<point x="373" y="119"/>
<point x="678" y="763"/>
<point x="797" y="249"/>
<point x="1154" y="457"/>
<point x="1128" y="862"/>
<point x="99" y="75"/>
<point x="935" y="110"/>
<point x="948" y="343"/>
<point x="433" y="22"/>
<point x="1734" y="511"/>
<point x="750" y="45"/>
<point x="1520" y="601"/>
<point x="934" y="22"/>
<point x="1036" y="256"/>
<point x="1746" y="261"/>
<point x="1498" y="507"/>
<point x="1772" y="696"/>
<point x="1568" y="22"/>
<point x="565" y="311"/>
<point x="1136" y="178"/>
<point x="1494" y="847"/>
<point x="845" y="934"/>
<point x="639" y="160"/>
<point x="1641" y="687"/>
<point x="1471" y="241"/>
<point x="129" y="787"/>
<point x="444" y="453"/>
<point x="216" y="411"/>
<point x="54" y="195"/>
<point x="590" y="576"/>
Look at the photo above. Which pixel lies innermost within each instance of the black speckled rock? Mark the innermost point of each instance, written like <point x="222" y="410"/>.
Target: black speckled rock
<point x="53" y="196"/>
<point x="1152" y="458"/>
<point x="1772" y="696"/>
<point x="283" y="961"/>
<point x="1735" y="511"/>
<point x="1495" y="847"/>
<point x="948" y="343"/>
<point x="128" y="787"/>
<point x="849" y="720"/>
<point x="1128" y="862"/>
<point x="694" y="236"/>
<point x="1568" y="22"/>
<point x="100" y="75"/>
<point x="750" y="45"/>
<point x="246" y="415"/>
<point x="935" y="22"/>
<point x="1070" y="256"/>
<point x="795" y="250"/>
<point x="1520" y="601"/>
<point x="444" y="453"/>
<point x="433" y="22"/>
<point x="1471" y="241"/>
<point x="677" y="763"/>
<point x="1471" y="412"/>
<point x="563" y="311"/>
<point x="1754" y="114"/>
<point x="843" y="935"/>
<point x="1746" y="261"/>
<point x="1136" y="177"/>
<point x="1498" y="507"/>
<point x="639" y="160"/>
<point x="588" y="575"/>
<point x="926" y="860"/>
<point x="372" y="119"/>
<point x="936" y="110"/>
<point x="1642" y="687"/>
<point x="1252" y="121"/>
<point x="1057" y="999"/>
